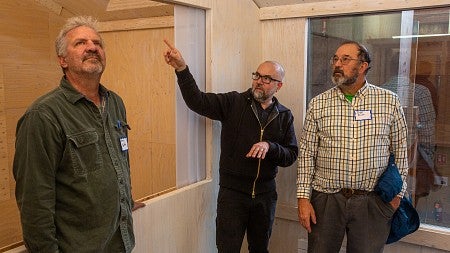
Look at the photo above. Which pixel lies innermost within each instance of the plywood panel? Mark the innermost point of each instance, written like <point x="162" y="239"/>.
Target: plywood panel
<point x="131" y="4"/>
<point x="285" y="42"/>
<point x="4" y="172"/>
<point x="178" y="222"/>
<point x="28" y="69"/>
<point x="26" y="82"/>
<point x="137" y="72"/>
<point x="24" y="32"/>
<point x="135" y="24"/>
<point x="237" y="47"/>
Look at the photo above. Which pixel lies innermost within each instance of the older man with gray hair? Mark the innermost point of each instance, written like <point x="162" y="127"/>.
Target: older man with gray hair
<point x="71" y="164"/>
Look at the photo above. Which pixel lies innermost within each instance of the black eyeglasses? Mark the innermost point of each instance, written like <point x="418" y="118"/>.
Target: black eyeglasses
<point x="344" y="60"/>
<point x="264" y="79"/>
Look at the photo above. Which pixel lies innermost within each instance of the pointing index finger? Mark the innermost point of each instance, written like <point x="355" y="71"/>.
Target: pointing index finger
<point x="169" y="44"/>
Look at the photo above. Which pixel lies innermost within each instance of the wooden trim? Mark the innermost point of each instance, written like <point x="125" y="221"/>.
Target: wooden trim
<point x="156" y="194"/>
<point x="118" y="5"/>
<point x="173" y="191"/>
<point x="341" y="7"/>
<point x="15" y="247"/>
<point x="208" y="72"/>
<point x="202" y="4"/>
<point x="137" y="24"/>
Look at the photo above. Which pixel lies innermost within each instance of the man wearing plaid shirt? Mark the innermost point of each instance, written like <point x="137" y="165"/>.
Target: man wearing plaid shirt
<point x="348" y="134"/>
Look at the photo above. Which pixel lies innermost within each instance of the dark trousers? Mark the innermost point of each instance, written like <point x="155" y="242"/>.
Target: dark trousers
<point x="366" y="220"/>
<point x="238" y="212"/>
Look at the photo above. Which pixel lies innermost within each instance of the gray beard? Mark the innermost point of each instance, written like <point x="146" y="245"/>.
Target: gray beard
<point x="259" y="96"/>
<point x="343" y="80"/>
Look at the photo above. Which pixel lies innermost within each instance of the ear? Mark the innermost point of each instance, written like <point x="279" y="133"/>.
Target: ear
<point x="279" y="85"/>
<point x="364" y="67"/>
<point x="62" y="61"/>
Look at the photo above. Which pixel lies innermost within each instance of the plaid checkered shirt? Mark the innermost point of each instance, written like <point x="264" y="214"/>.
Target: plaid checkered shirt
<point x="347" y="144"/>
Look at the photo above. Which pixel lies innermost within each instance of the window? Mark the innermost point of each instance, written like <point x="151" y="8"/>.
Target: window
<point x="411" y="56"/>
<point x="190" y="39"/>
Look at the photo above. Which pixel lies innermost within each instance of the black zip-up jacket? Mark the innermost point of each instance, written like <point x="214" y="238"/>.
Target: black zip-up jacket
<point x="240" y="130"/>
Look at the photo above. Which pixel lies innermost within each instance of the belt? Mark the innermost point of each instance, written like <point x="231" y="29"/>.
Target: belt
<point x="348" y="193"/>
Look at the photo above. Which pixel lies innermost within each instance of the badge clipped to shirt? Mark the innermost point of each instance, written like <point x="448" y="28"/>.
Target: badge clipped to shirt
<point x="363" y="115"/>
<point x="124" y="139"/>
<point x="124" y="143"/>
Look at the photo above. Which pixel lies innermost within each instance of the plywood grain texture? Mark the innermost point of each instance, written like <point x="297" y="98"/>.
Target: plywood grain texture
<point x="137" y="24"/>
<point x="237" y="47"/>
<point x="292" y="35"/>
<point x="5" y="175"/>
<point x="137" y="72"/>
<point x="131" y="4"/>
<point x="178" y="222"/>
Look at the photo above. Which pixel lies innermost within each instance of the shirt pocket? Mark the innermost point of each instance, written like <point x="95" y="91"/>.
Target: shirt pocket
<point x="85" y="152"/>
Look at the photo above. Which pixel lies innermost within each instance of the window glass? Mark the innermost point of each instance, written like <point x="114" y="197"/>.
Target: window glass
<point x="411" y="56"/>
<point x="190" y="39"/>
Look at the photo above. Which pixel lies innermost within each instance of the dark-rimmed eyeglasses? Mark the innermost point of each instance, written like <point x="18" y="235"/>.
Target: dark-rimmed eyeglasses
<point x="344" y="60"/>
<point x="264" y="79"/>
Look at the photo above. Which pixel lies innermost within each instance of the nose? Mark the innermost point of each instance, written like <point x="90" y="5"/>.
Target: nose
<point x="91" y="46"/>
<point x="338" y="62"/>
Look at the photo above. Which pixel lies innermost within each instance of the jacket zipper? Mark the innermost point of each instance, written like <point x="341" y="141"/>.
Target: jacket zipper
<point x="260" y="139"/>
<point x="259" y="165"/>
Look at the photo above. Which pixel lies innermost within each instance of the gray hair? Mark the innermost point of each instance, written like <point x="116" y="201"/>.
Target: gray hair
<point x="72" y="23"/>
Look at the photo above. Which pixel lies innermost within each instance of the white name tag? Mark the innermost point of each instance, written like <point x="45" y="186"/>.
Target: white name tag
<point x="363" y="115"/>
<point x="124" y="143"/>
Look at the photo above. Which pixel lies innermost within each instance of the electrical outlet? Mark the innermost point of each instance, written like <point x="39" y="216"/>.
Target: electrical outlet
<point x="441" y="180"/>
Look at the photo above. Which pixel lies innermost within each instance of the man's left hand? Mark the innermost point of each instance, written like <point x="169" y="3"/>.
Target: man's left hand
<point x="259" y="150"/>
<point x="395" y="202"/>
<point x="137" y="205"/>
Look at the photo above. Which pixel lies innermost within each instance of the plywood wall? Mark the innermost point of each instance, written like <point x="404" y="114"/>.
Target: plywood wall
<point x="28" y="69"/>
<point x="137" y="71"/>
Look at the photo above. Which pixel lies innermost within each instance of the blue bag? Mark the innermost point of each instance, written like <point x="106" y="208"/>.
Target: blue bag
<point x="390" y="182"/>
<point x="404" y="222"/>
<point x="405" y="219"/>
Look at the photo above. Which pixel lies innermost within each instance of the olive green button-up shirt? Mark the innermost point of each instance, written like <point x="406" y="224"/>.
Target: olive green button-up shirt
<point x="72" y="174"/>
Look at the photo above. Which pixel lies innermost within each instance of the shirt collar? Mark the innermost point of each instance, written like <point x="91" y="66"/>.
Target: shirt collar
<point x="73" y="95"/>
<point x="360" y="92"/>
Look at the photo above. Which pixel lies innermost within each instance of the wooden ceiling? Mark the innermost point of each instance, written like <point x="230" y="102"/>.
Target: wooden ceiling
<point x="109" y="10"/>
